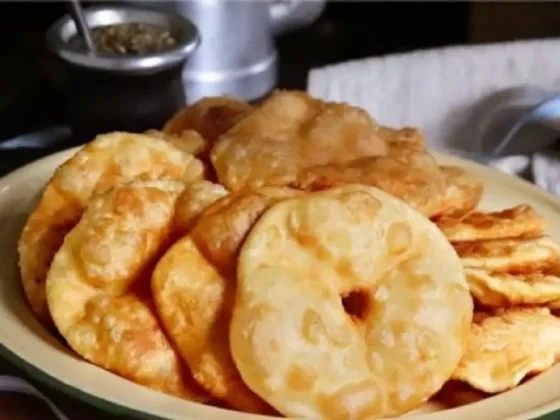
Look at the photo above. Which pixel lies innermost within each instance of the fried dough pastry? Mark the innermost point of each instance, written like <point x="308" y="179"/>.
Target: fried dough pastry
<point x="507" y="272"/>
<point x="189" y="141"/>
<point x="505" y="289"/>
<point x="350" y="304"/>
<point x="98" y="288"/>
<point x="517" y="256"/>
<point x="210" y="117"/>
<point x="407" y="172"/>
<point x="194" y="287"/>
<point x="408" y="137"/>
<point x="288" y="132"/>
<point x="505" y="347"/>
<point x="462" y="193"/>
<point x="195" y="198"/>
<point x="518" y="221"/>
<point x="106" y="161"/>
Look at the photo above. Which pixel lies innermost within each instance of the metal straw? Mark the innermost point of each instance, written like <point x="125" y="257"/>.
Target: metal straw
<point x="81" y="24"/>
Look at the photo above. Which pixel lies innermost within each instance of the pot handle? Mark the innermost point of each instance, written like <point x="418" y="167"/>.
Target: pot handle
<point x="287" y="15"/>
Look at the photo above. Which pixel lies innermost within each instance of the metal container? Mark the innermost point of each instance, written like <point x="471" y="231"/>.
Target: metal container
<point x="237" y="55"/>
<point x="132" y="93"/>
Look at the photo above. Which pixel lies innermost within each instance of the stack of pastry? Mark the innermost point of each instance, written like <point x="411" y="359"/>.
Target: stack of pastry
<point x="276" y="260"/>
<point x="512" y="268"/>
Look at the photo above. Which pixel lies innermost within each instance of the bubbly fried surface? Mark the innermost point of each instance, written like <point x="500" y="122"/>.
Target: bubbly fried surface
<point x="108" y="160"/>
<point x="408" y="137"/>
<point x="189" y="141"/>
<point x="507" y="272"/>
<point x="518" y="221"/>
<point x="514" y="256"/>
<point x="462" y="193"/>
<point x="288" y="132"/>
<point x="209" y="117"/>
<point x="504" y="289"/>
<point x="407" y="172"/>
<point x="505" y="347"/>
<point x="349" y="304"/>
<point x="194" y="287"/>
<point x="98" y="288"/>
<point x="195" y="198"/>
<point x="225" y="224"/>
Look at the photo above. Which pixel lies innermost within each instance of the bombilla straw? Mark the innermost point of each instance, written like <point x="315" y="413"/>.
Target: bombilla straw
<point x="81" y="25"/>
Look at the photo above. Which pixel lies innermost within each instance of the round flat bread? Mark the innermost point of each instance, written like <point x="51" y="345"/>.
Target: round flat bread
<point x="349" y="304"/>
<point x="105" y="162"/>
<point x="193" y="287"/>
<point x="288" y="132"/>
<point x="98" y="287"/>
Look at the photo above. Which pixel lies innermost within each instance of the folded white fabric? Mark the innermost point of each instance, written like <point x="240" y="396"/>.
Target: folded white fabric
<point x="460" y="97"/>
<point x="437" y="89"/>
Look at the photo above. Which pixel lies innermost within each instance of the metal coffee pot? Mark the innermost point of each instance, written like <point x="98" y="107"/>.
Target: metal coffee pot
<point x="237" y="55"/>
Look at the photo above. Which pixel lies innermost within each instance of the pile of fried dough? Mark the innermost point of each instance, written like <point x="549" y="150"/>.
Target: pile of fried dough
<point x="293" y="258"/>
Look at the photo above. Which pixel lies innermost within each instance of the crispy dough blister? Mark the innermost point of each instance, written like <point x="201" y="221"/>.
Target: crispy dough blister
<point x="194" y="288"/>
<point x="408" y="172"/>
<point x="505" y="347"/>
<point x="210" y="117"/>
<point x="337" y="294"/>
<point x="288" y="132"/>
<point x="462" y="192"/>
<point x="105" y="162"/>
<point x="507" y="272"/>
<point x="518" y="221"/>
<point x="98" y="286"/>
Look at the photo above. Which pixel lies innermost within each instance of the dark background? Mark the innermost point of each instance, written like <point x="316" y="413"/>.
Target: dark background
<point x="346" y="30"/>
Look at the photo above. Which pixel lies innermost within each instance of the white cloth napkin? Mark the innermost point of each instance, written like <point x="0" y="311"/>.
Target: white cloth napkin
<point x="462" y="98"/>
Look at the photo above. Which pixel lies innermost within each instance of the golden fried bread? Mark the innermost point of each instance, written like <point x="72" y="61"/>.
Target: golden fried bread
<point x="210" y="117"/>
<point x="518" y="221"/>
<point x="350" y="304"/>
<point x="507" y="272"/>
<point x="98" y="288"/>
<point x="462" y="193"/>
<point x="288" y="132"/>
<point x="505" y="347"/>
<point x="505" y="289"/>
<point x="189" y="141"/>
<point x="195" y="198"/>
<point x="514" y="256"/>
<point x="194" y="287"/>
<point x="397" y="139"/>
<point x="225" y="224"/>
<point x="407" y="173"/>
<point x="108" y="160"/>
